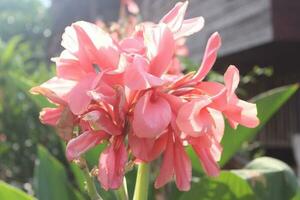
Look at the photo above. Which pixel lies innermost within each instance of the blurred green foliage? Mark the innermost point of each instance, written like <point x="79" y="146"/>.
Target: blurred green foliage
<point x="22" y="64"/>
<point x="20" y="129"/>
<point x="26" y="17"/>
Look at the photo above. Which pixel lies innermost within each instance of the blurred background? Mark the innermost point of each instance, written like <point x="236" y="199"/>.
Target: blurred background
<point x="261" y="37"/>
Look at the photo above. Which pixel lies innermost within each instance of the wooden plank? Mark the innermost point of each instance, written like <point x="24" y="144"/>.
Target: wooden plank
<point x="241" y="23"/>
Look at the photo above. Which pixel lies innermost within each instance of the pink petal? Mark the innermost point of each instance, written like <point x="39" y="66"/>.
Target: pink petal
<point x="132" y="45"/>
<point x="81" y="144"/>
<point x="219" y="124"/>
<point x="152" y="115"/>
<point x="50" y="116"/>
<point x="174" y="18"/>
<point x="78" y="99"/>
<point x="209" y="164"/>
<point x="100" y="120"/>
<point x="210" y="56"/>
<point x="217" y="93"/>
<point x="160" y="48"/>
<point x="137" y="78"/>
<point x="183" y="168"/>
<point x="189" y="27"/>
<point x="91" y="45"/>
<point x="174" y="101"/>
<point x="167" y="167"/>
<point x="193" y="119"/>
<point x="231" y="79"/>
<point x="55" y="89"/>
<point x="147" y="149"/>
<point x="68" y="66"/>
<point x="132" y="6"/>
<point x="65" y="124"/>
<point x="243" y="113"/>
<point x="112" y="166"/>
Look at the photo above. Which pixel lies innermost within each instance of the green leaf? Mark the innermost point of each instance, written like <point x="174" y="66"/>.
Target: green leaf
<point x="268" y="104"/>
<point x="9" y="51"/>
<point x="227" y="186"/>
<point x="8" y="192"/>
<point x="50" y="178"/>
<point x="25" y="85"/>
<point x="79" y="176"/>
<point x="270" y="178"/>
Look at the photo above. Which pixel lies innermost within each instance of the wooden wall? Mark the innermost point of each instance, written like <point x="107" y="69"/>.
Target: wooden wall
<point x="241" y="23"/>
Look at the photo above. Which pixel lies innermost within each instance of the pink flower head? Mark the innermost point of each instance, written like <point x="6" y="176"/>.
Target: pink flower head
<point x="130" y="92"/>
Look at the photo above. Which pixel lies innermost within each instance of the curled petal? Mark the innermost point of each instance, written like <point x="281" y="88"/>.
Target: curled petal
<point x="50" y="116"/>
<point x="55" y="89"/>
<point x="189" y="27"/>
<point x="218" y="124"/>
<point x="217" y="93"/>
<point x="243" y="113"/>
<point x="82" y="143"/>
<point x="174" y="18"/>
<point x="210" y="56"/>
<point x="231" y="79"/>
<point x="193" y="119"/>
<point x="160" y="48"/>
<point x="112" y="166"/>
<point x="152" y="115"/>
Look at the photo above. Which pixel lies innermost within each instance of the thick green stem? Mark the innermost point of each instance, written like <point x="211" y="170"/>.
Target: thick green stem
<point x="142" y="182"/>
<point x="122" y="193"/>
<point x="90" y="184"/>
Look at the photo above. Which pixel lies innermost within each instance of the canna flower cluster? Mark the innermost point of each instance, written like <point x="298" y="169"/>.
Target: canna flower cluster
<point x="124" y="92"/>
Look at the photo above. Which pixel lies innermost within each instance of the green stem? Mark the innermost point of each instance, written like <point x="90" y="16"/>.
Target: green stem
<point x="122" y="193"/>
<point x="142" y="182"/>
<point x="91" y="188"/>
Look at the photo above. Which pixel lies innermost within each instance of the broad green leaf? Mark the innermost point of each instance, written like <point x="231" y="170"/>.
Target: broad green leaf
<point x="8" y="192"/>
<point x="50" y="178"/>
<point x="268" y="103"/>
<point x="227" y="186"/>
<point x="270" y="178"/>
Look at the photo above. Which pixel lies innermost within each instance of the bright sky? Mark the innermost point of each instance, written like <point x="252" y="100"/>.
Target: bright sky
<point x="47" y="3"/>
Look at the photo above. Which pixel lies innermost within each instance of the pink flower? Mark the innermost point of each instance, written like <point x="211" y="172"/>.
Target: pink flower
<point x="131" y="5"/>
<point x="112" y="165"/>
<point x="111" y="86"/>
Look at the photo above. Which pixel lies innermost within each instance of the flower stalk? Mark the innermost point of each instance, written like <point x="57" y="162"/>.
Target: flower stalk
<point x="122" y="192"/>
<point x="90" y="184"/>
<point x="142" y="182"/>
